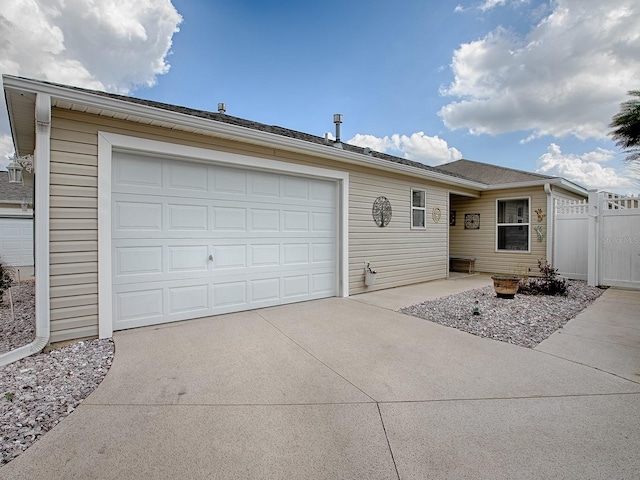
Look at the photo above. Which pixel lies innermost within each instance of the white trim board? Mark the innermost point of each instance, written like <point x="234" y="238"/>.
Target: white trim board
<point x="108" y="142"/>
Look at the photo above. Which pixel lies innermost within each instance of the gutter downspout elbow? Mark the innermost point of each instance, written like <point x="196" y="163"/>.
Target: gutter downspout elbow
<point x="41" y="169"/>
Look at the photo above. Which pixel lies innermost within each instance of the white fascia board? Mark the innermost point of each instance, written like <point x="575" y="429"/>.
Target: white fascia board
<point x="232" y="132"/>
<point x="556" y="181"/>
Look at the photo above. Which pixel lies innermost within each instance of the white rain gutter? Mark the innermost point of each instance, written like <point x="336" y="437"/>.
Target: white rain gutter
<point x="41" y="169"/>
<point x="550" y="220"/>
<point x="559" y="181"/>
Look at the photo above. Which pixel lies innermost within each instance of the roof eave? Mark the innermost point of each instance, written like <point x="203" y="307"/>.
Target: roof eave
<point x="556" y="181"/>
<point x="227" y="131"/>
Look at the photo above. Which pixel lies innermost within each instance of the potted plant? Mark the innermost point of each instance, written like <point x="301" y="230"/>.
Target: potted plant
<point x="369" y="276"/>
<point x="505" y="285"/>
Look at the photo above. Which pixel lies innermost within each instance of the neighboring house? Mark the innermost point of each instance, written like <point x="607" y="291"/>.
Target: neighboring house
<point x="150" y="213"/>
<point x="16" y="225"/>
<point x="510" y="227"/>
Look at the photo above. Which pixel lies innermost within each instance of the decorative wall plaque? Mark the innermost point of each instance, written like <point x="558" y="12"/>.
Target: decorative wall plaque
<point x="436" y="214"/>
<point x="381" y="211"/>
<point x="471" y="221"/>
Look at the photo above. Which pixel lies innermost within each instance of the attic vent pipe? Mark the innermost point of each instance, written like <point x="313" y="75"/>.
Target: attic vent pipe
<point x="222" y="107"/>
<point x="337" y="119"/>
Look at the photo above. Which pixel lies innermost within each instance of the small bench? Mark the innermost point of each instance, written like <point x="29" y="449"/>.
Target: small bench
<point x="462" y="264"/>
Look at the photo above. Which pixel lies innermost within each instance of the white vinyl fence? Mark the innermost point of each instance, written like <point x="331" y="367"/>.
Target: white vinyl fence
<point x="598" y="240"/>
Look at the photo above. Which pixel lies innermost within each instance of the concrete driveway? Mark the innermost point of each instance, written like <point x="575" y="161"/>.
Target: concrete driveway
<point x="347" y="388"/>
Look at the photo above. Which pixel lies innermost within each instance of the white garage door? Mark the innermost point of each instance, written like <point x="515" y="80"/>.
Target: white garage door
<point x="16" y="241"/>
<point x="192" y="240"/>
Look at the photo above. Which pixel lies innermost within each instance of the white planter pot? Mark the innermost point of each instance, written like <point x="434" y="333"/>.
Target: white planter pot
<point x="369" y="278"/>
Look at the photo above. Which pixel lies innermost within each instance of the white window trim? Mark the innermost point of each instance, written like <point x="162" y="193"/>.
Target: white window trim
<point x="528" y="224"/>
<point x="424" y="209"/>
<point x="108" y="142"/>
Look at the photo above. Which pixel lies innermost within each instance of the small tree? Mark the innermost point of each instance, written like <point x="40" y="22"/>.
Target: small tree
<point x="626" y="127"/>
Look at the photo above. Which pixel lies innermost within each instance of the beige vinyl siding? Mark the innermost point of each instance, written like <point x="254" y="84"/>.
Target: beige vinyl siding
<point x="400" y="255"/>
<point x="73" y="235"/>
<point x="481" y="243"/>
<point x="566" y="195"/>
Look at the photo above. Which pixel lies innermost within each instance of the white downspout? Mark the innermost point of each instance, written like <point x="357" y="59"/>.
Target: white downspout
<point x="41" y="169"/>
<point x="550" y="222"/>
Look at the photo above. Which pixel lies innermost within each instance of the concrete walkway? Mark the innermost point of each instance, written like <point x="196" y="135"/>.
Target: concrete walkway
<point x="348" y="388"/>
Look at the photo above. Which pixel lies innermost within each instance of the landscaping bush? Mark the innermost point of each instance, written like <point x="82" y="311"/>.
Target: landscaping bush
<point x="6" y="277"/>
<point x="548" y="283"/>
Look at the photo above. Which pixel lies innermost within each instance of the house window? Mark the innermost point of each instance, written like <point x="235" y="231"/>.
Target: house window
<point x="418" y="209"/>
<point x="513" y="224"/>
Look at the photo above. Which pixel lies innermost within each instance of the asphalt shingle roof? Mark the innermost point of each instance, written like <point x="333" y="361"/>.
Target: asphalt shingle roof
<point x="230" y="119"/>
<point x="490" y="174"/>
<point x="13" y="192"/>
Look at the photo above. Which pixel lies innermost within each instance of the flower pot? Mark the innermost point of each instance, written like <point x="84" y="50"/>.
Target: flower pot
<point x="505" y="286"/>
<point x="369" y="279"/>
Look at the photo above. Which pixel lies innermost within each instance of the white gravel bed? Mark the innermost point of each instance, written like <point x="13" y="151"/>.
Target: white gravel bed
<point x="21" y="330"/>
<point x="38" y="391"/>
<point x="525" y="320"/>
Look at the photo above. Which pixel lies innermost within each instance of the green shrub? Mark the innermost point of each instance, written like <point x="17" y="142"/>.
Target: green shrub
<point x="6" y="277"/>
<point x="547" y="283"/>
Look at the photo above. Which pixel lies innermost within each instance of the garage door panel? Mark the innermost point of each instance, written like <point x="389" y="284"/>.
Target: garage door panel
<point x="322" y="222"/>
<point x="139" y="304"/>
<point x="323" y="284"/>
<point x="267" y="255"/>
<point x="295" y="286"/>
<point x="323" y="193"/>
<point x="230" y="294"/>
<point x="187" y="258"/>
<point x="230" y="181"/>
<point x="187" y="217"/>
<point x="212" y="240"/>
<point x="295" y="221"/>
<point x="193" y="298"/>
<point x="323" y="252"/>
<point x="138" y="216"/>
<point x="230" y="219"/>
<point x="138" y="260"/>
<point x="136" y="173"/>
<point x="229" y="257"/>
<point x="264" y="289"/>
<point x="296" y="188"/>
<point x="264" y="185"/>
<point x="295" y="253"/>
<point x="265" y="220"/>
<point x="187" y="178"/>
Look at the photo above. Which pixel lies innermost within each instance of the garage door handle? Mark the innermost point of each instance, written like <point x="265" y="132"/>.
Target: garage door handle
<point x="211" y="258"/>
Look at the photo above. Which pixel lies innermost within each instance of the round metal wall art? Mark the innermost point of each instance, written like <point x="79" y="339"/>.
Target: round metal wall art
<point x="381" y="211"/>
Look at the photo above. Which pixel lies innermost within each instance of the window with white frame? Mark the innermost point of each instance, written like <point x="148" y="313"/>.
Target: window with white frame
<point x="418" y="208"/>
<point x="513" y="226"/>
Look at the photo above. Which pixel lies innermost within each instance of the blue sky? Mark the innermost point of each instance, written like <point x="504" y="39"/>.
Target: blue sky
<point x="526" y="84"/>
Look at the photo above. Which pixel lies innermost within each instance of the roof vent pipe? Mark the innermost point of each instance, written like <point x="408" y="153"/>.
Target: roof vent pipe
<point x="222" y="107"/>
<point x="337" y="119"/>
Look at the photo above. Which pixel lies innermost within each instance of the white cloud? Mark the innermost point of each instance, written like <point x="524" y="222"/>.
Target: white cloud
<point x="566" y="76"/>
<point x="112" y="45"/>
<point x="6" y="150"/>
<point x="115" y="45"/>
<point x="490" y="4"/>
<point x="585" y="169"/>
<point x="417" y="146"/>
